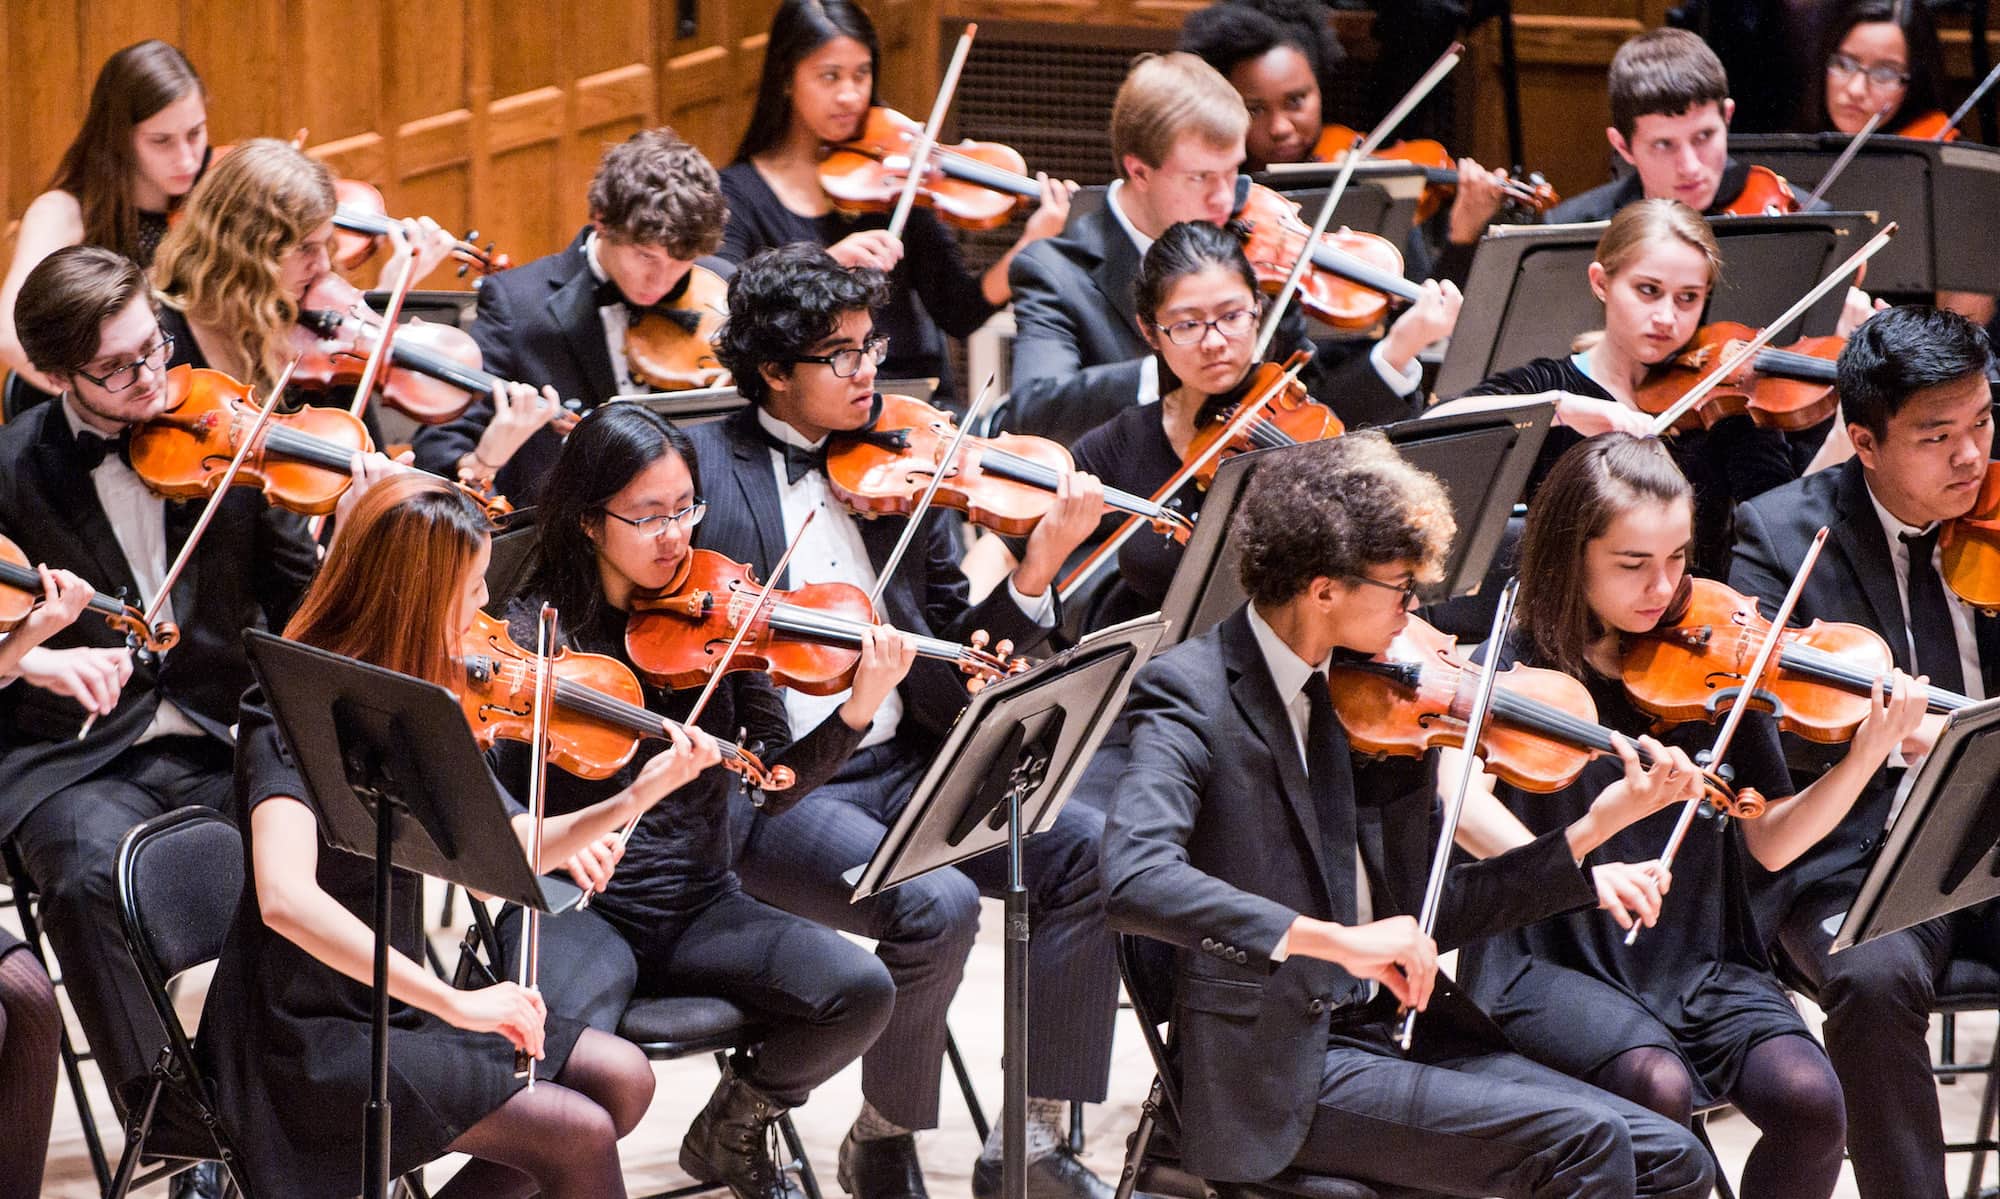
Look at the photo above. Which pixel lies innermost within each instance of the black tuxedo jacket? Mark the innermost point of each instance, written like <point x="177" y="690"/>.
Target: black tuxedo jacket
<point x="1077" y="350"/>
<point x="1854" y="582"/>
<point x="249" y="572"/>
<point x="536" y="324"/>
<point x="928" y="594"/>
<point x="1214" y="845"/>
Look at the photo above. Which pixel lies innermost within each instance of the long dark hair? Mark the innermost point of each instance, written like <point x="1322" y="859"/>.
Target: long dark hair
<point x="1925" y="91"/>
<point x="1590" y="485"/>
<point x="799" y="28"/>
<point x="97" y="169"/>
<point x="607" y="449"/>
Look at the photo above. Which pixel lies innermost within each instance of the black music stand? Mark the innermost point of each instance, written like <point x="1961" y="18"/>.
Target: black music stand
<point x="1938" y="193"/>
<point x="1943" y="851"/>
<point x="692" y="407"/>
<point x="1009" y="762"/>
<point x="1528" y="291"/>
<point x="390" y="765"/>
<point x="1482" y="458"/>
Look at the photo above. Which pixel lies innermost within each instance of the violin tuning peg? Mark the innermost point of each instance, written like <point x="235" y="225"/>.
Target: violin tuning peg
<point x="1004" y="649"/>
<point x="979" y="639"/>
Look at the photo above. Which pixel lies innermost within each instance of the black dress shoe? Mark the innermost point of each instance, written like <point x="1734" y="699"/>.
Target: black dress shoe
<point x="204" y="1181"/>
<point x="1058" y="1175"/>
<point x="884" y="1168"/>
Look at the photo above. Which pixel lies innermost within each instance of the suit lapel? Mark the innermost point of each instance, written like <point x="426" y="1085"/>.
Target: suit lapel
<point x="1117" y="268"/>
<point x="573" y="308"/>
<point x="71" y="494"/>
<point x="757" y="485"/>
<point x="1256" y="697"/>
<point x="1858" y="534"/>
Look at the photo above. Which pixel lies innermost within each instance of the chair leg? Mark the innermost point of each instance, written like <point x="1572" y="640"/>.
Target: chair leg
<point x="135" y="1142"/>
<point x="1722" y="1188"/>
<point x="808" y="1181"/>
<point x="1142" y="1139"/>
<point x="1076" y="1126"/>
<point x="1985" y="1133"/>
<point x="972" y="1108"/>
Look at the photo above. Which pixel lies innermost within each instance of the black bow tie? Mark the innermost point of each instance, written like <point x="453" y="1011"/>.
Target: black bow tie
<point x="799" y="461"/>
<point x="93" y="448"/>
<point x="608" y="295"/>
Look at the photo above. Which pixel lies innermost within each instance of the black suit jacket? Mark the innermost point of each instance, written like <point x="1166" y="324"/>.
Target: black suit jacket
<point x="1077" y="349"/>
<point x="1214" y="845"/>
<point x="536" y="324"/>
<point x="1854" y="582"/>
<point x="249" y="572"/>
<point x="927" y="596"/>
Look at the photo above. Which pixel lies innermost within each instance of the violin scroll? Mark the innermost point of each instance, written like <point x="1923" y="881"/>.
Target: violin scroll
<point x="984" y="668"/>
<point x="154" y="639"/>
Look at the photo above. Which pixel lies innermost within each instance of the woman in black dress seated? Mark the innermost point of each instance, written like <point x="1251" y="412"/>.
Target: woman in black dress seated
<point x="1691" y="1013"/>
<point x="285" y="1033"/>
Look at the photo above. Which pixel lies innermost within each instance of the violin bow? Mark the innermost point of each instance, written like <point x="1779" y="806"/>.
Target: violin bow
<point x="1854" y="145"/>
<point x="1694" y="395"/>
<point x="1758" y="665"/>
<point x="1964" y="110"/>
<point x="742" y="630"/>
<point x="920" y="154"/>
<point x="924" y="503"/>
<point x="1246" y="414"/>
<point x="538" y="805"/>
<point x="151" y="615"/>
<point x="1387" y="125"/>
<point x="372" y="369"/>
<point x="1475" y="728"/>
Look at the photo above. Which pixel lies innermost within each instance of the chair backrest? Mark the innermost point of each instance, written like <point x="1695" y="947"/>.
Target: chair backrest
<point x="180" y="876"/>
<point x="1147" y="968"/>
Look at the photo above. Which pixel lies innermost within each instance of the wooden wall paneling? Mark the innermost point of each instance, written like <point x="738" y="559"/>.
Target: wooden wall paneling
<point x="44" y="104"/>
<point x="1564" y="108"/>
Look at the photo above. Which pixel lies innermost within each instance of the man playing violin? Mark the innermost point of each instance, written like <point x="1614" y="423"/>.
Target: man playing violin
<point x="559" y="323"/>
<point x="1914" y="393"/>
<point x="1177" y="132"/>
<point x="159" y="727"/>
<point x="1288" y="891"/>
<point x="802" y="345"/>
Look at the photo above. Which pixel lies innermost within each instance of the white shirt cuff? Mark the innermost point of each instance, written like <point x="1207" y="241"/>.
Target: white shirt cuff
<point x="1401" y="382"/>
<point x="1149" y="380"/>
<point x="1283" y="949"/>
<point x="1041" y="608"/>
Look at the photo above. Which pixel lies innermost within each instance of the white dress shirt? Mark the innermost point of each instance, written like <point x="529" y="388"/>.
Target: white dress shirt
<point x="1962" y="613"/>
<point x="615" y="320"/>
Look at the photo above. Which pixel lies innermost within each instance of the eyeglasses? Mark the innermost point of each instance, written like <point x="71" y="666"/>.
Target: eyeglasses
<point x="657" y="526"/>
<point x="847" y="363"/>
<point x="1880" y="75"/>
<point x="1407" y="589"/>
<point x="1234" y="323"/>
<point x="120" y="378"/>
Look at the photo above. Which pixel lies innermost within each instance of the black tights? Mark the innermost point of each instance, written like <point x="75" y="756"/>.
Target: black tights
<point x="1787" y="1089"/>
<point x="560" y="1140"/>
<point x="30" y="1025"/>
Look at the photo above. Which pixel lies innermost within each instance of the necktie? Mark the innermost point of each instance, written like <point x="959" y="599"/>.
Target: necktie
<point x="1930" y="615"/>
<point x="1334" y="809"/>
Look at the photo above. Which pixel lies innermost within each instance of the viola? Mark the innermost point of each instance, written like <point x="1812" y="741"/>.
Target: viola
<point x="1351" y="278"/>
<point x="973" y="185"/>
<point x="361" y="220"/>
<point x="1006" y="483"/>
<point x="1788" y="388"/>
<point x="1543" y="729"/>
<point x="600" y="715"/>
<point x="1765" y="193"/>
<point x="1969" y="547"/>
<point x="672" y="347"/>
<point x="302" y="461"/>
<point x="1289" y="418"/>
<point x="1532" y="193"/>
<point x="807" y="639"/>
<point x="1691" y="667"/>
<point x="21" y="591"/>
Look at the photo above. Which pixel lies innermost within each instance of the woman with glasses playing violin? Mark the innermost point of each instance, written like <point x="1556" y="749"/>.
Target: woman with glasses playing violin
<point x="620" y="506"/>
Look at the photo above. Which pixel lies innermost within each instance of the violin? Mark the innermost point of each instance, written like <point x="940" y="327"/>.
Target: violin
<point x="302" y="462"/>
<point x="973" y="185"/>
<point x="600" y="715"/>
<point x="1543" y="730"/>
<point x="1006" y="483"/>
<point x="1352" y="276"/>
<point x="807" y="639"/>
<point x="1933" y="126"/>
<point x="672" y="346"/>
<point x="1691" y="667"/>
<point x="1532" y="193"/>
<point x="1789" y="388"/>
<point x="361" y="220"/>
<point x="1289" y="418"/>
<point x="21" y="591"/>
<point x="1765" y="193"/>
<point x="1969" y="547"/>
<point x="434" y="370"/>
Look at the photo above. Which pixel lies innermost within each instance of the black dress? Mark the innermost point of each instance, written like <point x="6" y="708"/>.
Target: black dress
<point x="285" y="1038"/>
<point x="1569" y="992"/>
<point x="1730" y="462"/>
<point x="930" y="287"/>
<point x="1131" y="452"/>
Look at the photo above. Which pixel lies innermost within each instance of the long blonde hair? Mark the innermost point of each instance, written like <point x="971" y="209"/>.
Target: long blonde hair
<point x="1641" y="225"/>
<point x="221" y="263"/>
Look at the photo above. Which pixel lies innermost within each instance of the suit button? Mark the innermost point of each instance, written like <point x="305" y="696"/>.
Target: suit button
<point x="1316" y="1007"/>
<point x="1208" y="944"/>
<point x="1241" y="957"/>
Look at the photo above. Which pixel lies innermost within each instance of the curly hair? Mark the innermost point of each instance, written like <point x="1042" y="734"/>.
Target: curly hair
<point x="656" y="190"/>
<point x="1232" y="32"/>
<point x="221" y="264"/>
<point x="1336" y="508"/>
<point x="783" y="302"/>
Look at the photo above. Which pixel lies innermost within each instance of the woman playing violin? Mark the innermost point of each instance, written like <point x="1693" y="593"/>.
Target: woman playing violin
<point x="285" y="1033"/>
<point x="143" y="143"/>
<point x="1877" y="55"/>
<point x="819" y="81"/>
<point x="621" y="504"/>
<point x="1690" y="1014"/>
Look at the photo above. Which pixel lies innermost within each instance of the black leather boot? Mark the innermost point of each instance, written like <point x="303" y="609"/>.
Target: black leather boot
<point x="729" y="1142"/>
